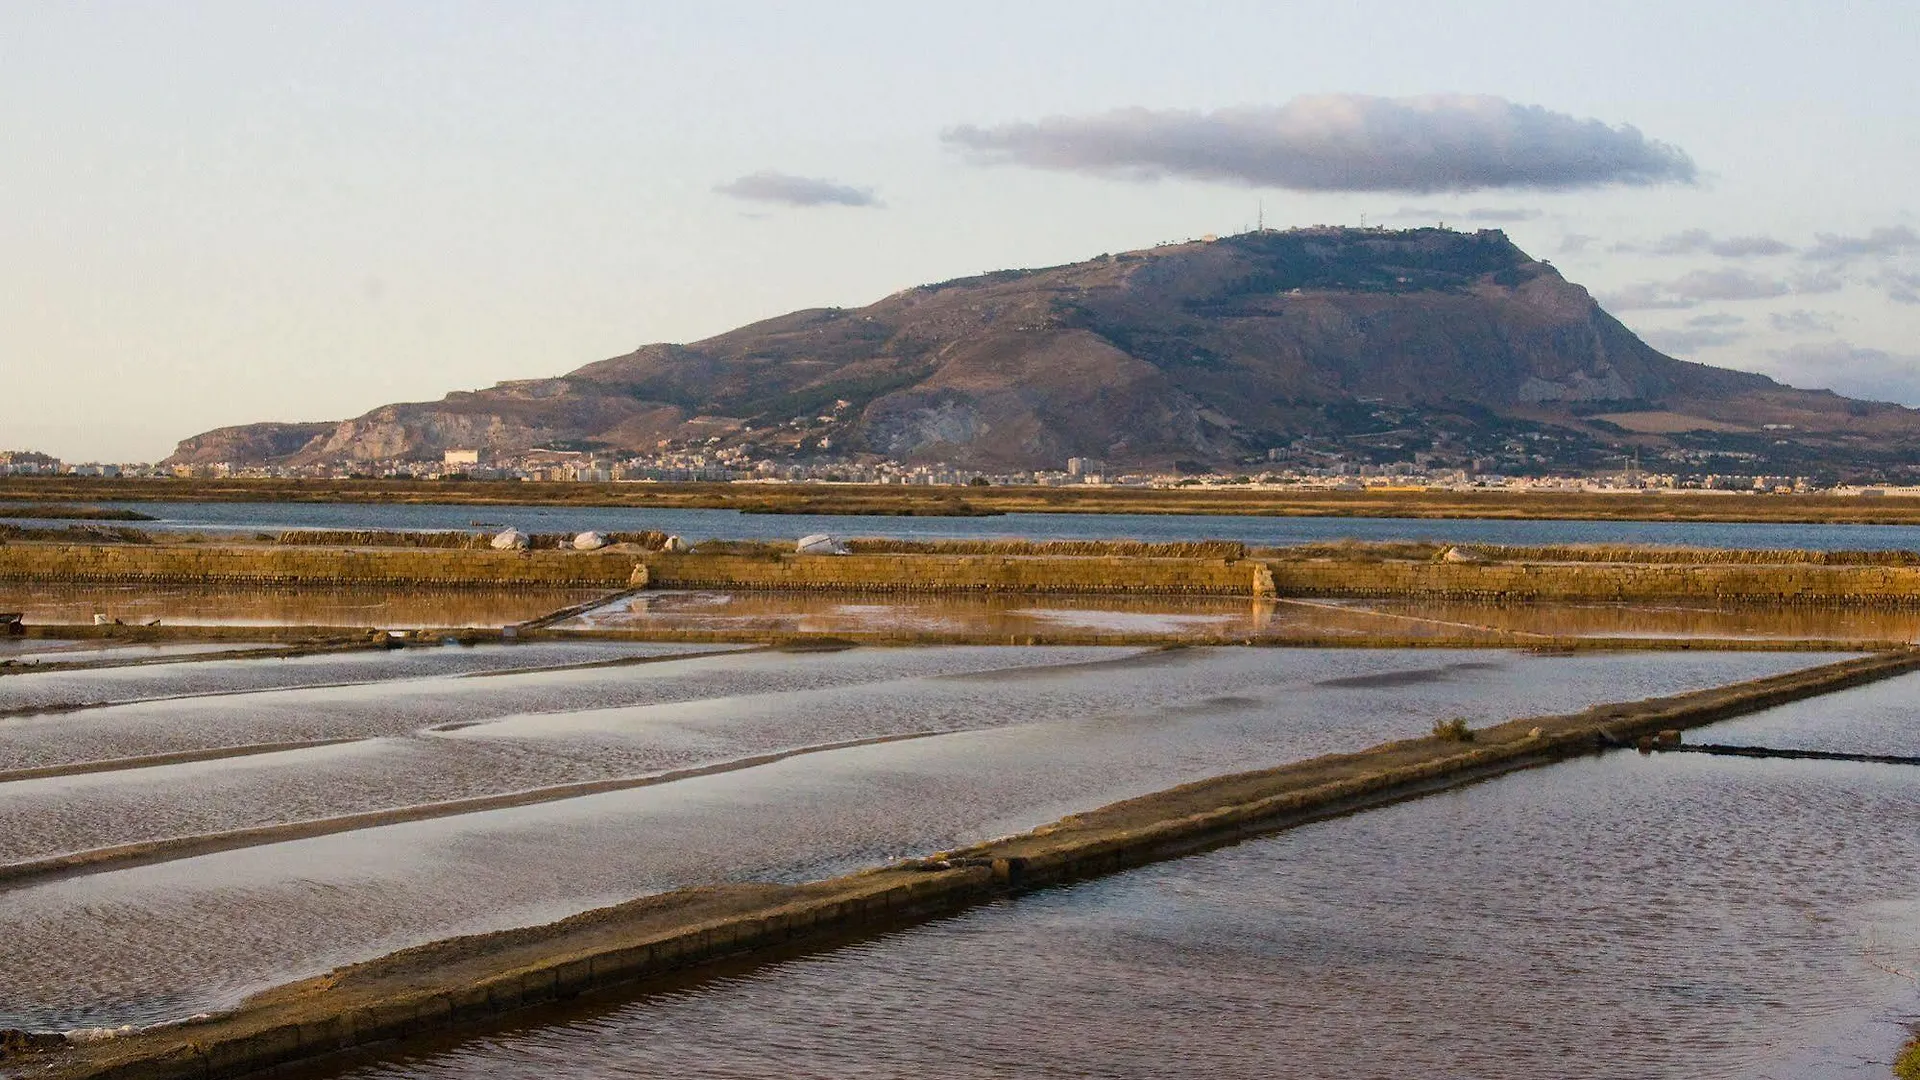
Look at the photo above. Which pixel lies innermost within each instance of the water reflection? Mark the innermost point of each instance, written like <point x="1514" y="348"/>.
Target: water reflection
<point x="1024" y="745"/>
<point x="1648" y="917"/>
<point x="1006" y="616"/>
<point x="1013" y="617"/>
<point x="1663" y="619"/>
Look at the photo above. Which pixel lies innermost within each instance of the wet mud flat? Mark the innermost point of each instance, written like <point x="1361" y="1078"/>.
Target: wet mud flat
<point x="365" y="606"/>
<point x="986" y="617"/>
<point x="982" y="615"/>
<point x="537" y="964"/>
<point x="1652" y="619"/>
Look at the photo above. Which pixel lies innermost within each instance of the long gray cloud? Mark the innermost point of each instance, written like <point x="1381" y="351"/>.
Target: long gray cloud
<point x="1701" y="286"/>
<point x="789" y="190"/>
<point x="1887" y="240"/>
<point x="1874" y="374"/>
<point x="1702" y="242"/>
<point x="1340" y="142"/>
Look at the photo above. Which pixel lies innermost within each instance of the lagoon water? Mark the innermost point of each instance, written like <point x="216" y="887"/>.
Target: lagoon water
<point x="697" y="525"/>
<point x="1672" y="916"/>
<point x="1001" y="740"/>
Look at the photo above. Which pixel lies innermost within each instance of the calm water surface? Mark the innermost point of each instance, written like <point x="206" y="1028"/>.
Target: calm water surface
<point x="386" y="608"/>
<point x="1023" y="737"/>
<point x="1648" y="917"/>
<point x="696" y="525"/>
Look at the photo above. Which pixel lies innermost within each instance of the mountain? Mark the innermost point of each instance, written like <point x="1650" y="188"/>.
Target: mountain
<point x="1365" y="342"/>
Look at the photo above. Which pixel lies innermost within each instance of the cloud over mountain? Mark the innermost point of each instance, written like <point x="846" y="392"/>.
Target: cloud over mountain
<point x="1874" y="374"/>
<point x="788" y="190"/>
<point x="1340" y="142"/>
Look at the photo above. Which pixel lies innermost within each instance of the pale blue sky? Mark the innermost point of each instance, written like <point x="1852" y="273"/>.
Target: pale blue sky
<point x="220" y="212"/>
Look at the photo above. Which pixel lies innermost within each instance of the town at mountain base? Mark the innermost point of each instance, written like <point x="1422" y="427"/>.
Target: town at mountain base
<point x="1287" y="349"/>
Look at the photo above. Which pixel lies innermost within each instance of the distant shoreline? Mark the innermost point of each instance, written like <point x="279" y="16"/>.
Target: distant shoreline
<point x="893" y="501"/>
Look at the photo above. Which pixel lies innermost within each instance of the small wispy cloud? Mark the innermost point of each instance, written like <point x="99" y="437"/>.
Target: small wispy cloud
<point x="1703" y="286"/>
<point x="1340" y="142"/>
<point x="1718" y="319"/>
<point x="789" y="190"/>
<point x="1901" y="287"/>
<point x="1688" y="342"/>
<point x="1802" y="321"/>
<point x="1889" y="240"/>
<point x="1702" y="242"/>
<point x="1575" y="243"/>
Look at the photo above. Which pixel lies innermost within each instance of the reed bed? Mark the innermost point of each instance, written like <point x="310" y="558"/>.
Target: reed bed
<point x="76" y="534"/>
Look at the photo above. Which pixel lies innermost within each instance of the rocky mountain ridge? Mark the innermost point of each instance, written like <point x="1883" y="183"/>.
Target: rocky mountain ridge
<point x="1197" y="355"/>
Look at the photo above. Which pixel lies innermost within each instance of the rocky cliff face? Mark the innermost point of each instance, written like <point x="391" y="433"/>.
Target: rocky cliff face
<point x="1195" y="353"/>
<point x="250" y="443"/>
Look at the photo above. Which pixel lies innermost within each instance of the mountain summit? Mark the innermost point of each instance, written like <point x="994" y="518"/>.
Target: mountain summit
<point x="1201" y="354"/>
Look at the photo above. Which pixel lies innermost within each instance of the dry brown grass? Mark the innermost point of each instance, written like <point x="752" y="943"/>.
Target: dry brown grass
<point x="77" y="534"/>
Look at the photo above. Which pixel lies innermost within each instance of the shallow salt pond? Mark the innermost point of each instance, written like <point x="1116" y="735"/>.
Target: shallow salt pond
<point x="30" y="690"/>
<point x="1023" y="737"/>
<point x="1665" y="916"/>
<point x="179" y="605"/>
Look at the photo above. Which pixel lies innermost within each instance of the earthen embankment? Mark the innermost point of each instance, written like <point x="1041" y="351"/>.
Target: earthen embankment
<point x="1532" y="582"/>
<point x="1503" y="581"/>
<point x="465" y="982"/>
<point x="954" y="573"/>
<point x="206" y="564"/>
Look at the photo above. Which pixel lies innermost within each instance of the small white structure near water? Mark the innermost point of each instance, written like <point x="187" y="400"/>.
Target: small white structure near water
<point x="510" y="540"/>
<point x="821" y="544"/>
<point x="589" y="541"/>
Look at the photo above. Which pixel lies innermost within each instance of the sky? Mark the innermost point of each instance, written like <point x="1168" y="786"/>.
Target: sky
<point x="216" y="212"/>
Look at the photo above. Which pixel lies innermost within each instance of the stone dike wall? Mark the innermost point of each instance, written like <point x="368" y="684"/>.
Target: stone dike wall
<point x="955" y="573"/>
<point x="1894" y="586"/>
<point x="174" y="564"/>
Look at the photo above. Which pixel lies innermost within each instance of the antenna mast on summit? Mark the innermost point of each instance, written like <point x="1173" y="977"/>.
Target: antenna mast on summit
<point x="1262" y="227"/>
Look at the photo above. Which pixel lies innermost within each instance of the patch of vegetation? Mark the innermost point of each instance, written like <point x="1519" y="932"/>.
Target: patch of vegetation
<point x="816" y="399"/>
<point x="1907" y="1065"/>
<point x="1453" y="729"/>
<point x="64" y="512"/>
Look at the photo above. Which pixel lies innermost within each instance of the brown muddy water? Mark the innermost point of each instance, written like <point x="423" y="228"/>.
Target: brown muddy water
<point x="1004" y="739"/>
<point x="1226" y="618"/>
<point x="369" y="607"/>
<point x="1652" y="619"/>
<point x="996" y="616"/>
<point x="27" y="652"/>
<point x="1672" y="916"/>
